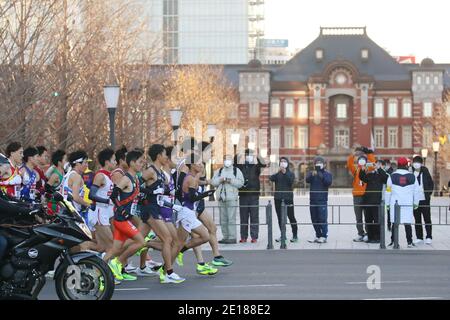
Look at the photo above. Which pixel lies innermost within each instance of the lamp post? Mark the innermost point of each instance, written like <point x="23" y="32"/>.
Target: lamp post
<point x="111" y="94"/>
<point x="424" y="155"/>
<point x="436" y="183"/>
<point x="235" y="140"/>
<point x="175" y="120"/>
<point x="211" y="131"/>
<point x="264" y="156"/>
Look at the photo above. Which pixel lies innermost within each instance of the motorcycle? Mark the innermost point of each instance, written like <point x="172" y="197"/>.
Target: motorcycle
<point x="34" y="249"/>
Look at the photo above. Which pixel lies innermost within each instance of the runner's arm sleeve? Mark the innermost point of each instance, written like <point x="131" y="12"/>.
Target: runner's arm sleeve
<point x="149" y="190"/>
<point x="95" y="197"/>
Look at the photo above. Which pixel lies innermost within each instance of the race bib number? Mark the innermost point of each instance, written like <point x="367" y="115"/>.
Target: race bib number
<point x="134" y="208"/>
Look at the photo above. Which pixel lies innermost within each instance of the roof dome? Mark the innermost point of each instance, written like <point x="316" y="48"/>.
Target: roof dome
<point x="427" y="62"/>
<point x="255" y="63"/>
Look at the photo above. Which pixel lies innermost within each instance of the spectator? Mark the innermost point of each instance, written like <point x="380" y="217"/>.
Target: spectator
<point x="426" y="186"/>
<point x="228" y="180"/>
<point x="284" y="181"/>
<point x="249" y="195"/>
<point x="375" y="180"/>
<point x="355" y="162"/>
<point x="402" y="188"/>
<point x="320" y="180"/>
<point x="388" y="167"/>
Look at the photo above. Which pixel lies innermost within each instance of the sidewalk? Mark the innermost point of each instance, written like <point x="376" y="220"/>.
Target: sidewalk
<point x="339" y="236"/>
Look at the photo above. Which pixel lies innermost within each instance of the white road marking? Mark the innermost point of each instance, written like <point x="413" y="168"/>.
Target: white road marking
<point x="365" y="282"/>
<point x="132" y="289"/>
<point x="252" y="285"/>
<point x="413" y="298"/>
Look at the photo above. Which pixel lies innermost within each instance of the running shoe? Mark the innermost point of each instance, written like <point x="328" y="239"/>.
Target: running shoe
<point x="221" y="262"/>
<point x="180" y="259"/>
<point x="128" y="277"/>
<point x="117" y="282"/>
<point x="152" y="264"/>
<point x="206" y="270"/>
<point x="162" y="275"/>
<point x="294" y="240"/>
<point x="101" y="285"/>
<point x="129" y="268"/>
<point x="116" y="268"/>
<point x="139" y="252"/>
<point x="173" y="278"/>
<point x="146" y="272"/>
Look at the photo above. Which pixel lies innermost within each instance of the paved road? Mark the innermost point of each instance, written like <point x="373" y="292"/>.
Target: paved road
<point x="302" y="274"/>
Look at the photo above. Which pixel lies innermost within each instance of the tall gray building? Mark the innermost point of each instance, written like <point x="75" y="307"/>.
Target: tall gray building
<point x="206" y="31"/>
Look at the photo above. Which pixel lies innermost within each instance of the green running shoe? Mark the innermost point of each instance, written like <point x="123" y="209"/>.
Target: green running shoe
<point x="101" y="285"/>
<point x="162" y="275"/>
<point x="116" y="268"/>
<point x="138" y="253"/>
<point x="151" y="236"/>
<point x="180" y="259"/>
<point x="221" y="262"/>
<point x="128" y="277"/>
<point x="206" y="270"/>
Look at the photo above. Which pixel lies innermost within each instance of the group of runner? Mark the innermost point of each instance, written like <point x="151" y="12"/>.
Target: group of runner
<point x="129" y="206"/>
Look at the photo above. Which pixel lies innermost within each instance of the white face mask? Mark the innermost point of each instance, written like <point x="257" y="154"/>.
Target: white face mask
<point x="362" y="162"/>
<point x="249" y="159"/>
<point x="283" y="165"/>
<point x="319" y="165"/>
<point x="417" y="165"/>
<point x="228" y="163"/>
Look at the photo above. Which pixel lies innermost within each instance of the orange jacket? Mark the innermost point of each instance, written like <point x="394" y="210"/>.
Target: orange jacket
<point x="359" y="187"/>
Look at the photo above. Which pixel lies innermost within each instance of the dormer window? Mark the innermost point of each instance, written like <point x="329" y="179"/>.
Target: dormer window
<point x="364" y="54"/>
<point x="319" y="55"/>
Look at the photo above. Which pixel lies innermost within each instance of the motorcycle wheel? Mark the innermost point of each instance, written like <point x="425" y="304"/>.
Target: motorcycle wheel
<point x="89" y="279"/>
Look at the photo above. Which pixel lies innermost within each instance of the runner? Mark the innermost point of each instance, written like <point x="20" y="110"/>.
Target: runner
<point x="11" y="185"/>
<point x="155" y="184"/>
<point x="125" y="197"/>
<point x="55" y="176"/>
<point x="208" y="222"/>
<point x="100" y="193"/>
<point x="30" y="177"/>
<point x="43" y="165"/>
<point x="187" y="222"/>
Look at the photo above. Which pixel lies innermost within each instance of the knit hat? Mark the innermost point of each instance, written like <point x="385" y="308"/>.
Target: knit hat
<point x="402" y="162"/>
<point x="319" y="159"/>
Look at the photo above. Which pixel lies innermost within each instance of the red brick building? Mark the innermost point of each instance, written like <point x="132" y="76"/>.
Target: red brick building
<point x="340" y="91"/>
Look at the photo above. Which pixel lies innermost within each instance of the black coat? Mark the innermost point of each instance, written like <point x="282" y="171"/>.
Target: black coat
<point x="428" y="184"/>
<point x="283" y="185"/>
<point x="375" y="181"/>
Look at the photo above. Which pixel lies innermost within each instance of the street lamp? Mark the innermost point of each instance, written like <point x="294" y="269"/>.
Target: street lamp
<point x="264" y="153"/>
<point x="235" y="140"/>
<point x="436" y="183"/>
<point x="175" y="120"/>
<point x="424" y="155"/>
<point x="111" y="94"/>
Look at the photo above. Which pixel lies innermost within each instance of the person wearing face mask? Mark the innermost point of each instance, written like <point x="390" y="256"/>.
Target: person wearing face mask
<point x="228" y="180"/>
<point x="402" y="188"/>
<point x="284" y="181"/>
<point x="388" y="167"/>
<point x="249" y="195"/>
<point x="426" y="185"/>
<point x="355" y="163"/>
<point x="375" y="178"/>
<point x="319" y="181"/>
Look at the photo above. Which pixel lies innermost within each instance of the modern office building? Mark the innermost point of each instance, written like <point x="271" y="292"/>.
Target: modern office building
<point x="205" y="31"/>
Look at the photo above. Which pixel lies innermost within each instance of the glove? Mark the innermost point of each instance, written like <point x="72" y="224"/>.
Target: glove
<point x="177" y="208"/>
<point x="159" y="191"/>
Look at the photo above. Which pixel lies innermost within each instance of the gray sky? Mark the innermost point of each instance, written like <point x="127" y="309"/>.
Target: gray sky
<point x="402" y="27"/>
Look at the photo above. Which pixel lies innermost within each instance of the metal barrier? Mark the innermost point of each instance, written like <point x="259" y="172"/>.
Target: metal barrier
<point x="335" y="210"/>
